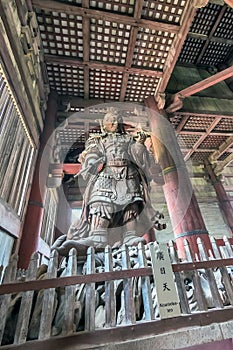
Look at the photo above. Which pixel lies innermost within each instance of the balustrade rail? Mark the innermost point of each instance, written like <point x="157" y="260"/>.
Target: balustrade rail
<point x="117" y="287"/>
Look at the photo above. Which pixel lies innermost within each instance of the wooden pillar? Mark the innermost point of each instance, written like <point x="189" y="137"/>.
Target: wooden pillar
<point x="222" y="196"/>
<point x="185" y="215"/>
<point x="64" y="213"/>
<point x="35" y="211"/>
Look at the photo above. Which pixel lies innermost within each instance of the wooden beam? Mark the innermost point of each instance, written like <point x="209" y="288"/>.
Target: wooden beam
<point x="202" y="138"/>
<point x="9" y="221"/>
<point x="219" y="18"/>
<point x="86" y="49"/>
<point x="199" y="132"/>
<point x="213" y="39"/>
<point x="56" y="6"/>
<point x="221" y="165"/>
<point x="131" y="47"/>
<point x="182" y="123"/>
<point x="66" y="168"/>
<point x="206" y="83"/>
<point x="175" y="101"/>
<point x="139" y="332"/>
<point x="101" y="66"/>
<point x="80" y="102"/>
<point x="17" y="287"/>
<point x="222" y="149"/>
<point x="175" y="50"/>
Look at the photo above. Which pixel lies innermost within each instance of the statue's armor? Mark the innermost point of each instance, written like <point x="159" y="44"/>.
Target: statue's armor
<point x="119" y="181"/>
<point x="116" y="168"/>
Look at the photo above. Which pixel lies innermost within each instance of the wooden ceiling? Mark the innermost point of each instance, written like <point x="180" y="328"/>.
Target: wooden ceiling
<point x="125" y="50"/>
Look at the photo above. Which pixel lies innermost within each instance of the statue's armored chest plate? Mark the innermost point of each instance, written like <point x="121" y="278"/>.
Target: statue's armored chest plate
<point x="116" y="146"/>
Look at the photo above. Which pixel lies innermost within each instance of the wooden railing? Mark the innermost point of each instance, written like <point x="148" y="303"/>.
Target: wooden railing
<point x="107" y="290"/>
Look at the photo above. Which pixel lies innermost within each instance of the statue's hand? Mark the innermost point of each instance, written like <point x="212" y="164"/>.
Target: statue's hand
<point x="141" y="136"/>
<point x="59" y="241"/>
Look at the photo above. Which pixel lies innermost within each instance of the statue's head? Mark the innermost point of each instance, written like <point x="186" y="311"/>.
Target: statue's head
<point x="113" y="121"/>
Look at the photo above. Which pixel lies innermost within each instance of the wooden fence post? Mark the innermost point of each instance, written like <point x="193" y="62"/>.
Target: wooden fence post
<point x="69" y="305"/>
<point x="9" y="276"/>
<point x="146" y="287"/>
<point x="90" y="293"/>
<point x="48" y="300"/>
<point x="128" y="288"/>
<point x="26" y="303"/>
<point x="110" y="300"/>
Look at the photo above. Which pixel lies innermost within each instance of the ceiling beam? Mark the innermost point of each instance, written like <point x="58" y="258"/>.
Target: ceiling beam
<point x="202" y="138"/>
<point x="175" y="50"/>
<point x="131" y="48"/>
<point x="86" y="49"/>
<point x="206" y="83"/>
<point x="56" y="6"/>
<point x="199" y="132"/>
<point x="182" y="123"/>
<point x="221" y="165"/>
<point x="222" y="149"/>
<point x="175" y="101"/>
<point x="219" y="18"/>
<point x="101" y="66"/>
<point x="213" y="39"/>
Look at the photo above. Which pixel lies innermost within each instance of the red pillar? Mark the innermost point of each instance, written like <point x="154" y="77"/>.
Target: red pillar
<point x="185" y="215"/>
<point x="222" y="196"/>
<point x="35" y="211"/>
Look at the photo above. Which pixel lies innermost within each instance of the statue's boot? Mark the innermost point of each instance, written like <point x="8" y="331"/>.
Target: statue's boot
<point x="98" y="239"/>
<point x="131" y="239"/>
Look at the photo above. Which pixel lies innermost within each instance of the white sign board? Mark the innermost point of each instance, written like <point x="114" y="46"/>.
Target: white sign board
<point x="167" y="296"/>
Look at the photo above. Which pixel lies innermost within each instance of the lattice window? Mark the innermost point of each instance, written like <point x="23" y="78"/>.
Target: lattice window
<point x="140" y="86"/>
<point x="164" y="10"/>
<point x="225" y="124"/>
<point x="16" y="150"/>
<point x="205" y="18"/>
<point x="187" y="141"/>
<point x="191" y="50"/>
<point x="61" y="33"/>
<point x="152" y="48"/>
<point x="109" y="41"/>
<point x="216" y="53"/>
<point x="105" y="84"/>
<point x="199" y="123"/>
<point x="117" y="6"/>
<point x="224" y="29"/>
<point x="213" y="141"/>
<point x="200" y="156"/>
<point x="66" y="80"/>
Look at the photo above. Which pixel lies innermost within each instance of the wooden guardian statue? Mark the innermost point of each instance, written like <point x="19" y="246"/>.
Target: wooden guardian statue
<point x="117" y="168"/>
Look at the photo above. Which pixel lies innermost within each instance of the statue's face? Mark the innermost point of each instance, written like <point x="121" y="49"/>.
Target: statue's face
<point x="110" y="122"/>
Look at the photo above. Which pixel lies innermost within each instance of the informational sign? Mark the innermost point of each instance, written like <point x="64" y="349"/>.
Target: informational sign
<point x="167" y="296"/>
